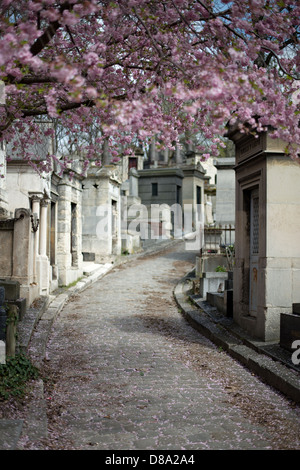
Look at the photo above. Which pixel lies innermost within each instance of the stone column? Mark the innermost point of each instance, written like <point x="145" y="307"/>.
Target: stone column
<point x="36" y="206"/>
<point x="153" y="153"/>
<point x="44" y="264"/>
<point x="166" y="155"/>
<point x="133" y="183"/>
<point x="106" y="153"/>
<point x="43" y="227"/>
<point x="34" y="225"/>
<point x="178" y="154"/>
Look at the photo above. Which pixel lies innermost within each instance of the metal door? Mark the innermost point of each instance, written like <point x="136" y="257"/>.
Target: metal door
<point x="254" y="251"/>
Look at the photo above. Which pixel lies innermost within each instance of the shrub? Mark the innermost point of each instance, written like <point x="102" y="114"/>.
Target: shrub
<point x="15" y="375"/>
<point x="221" y="269"/>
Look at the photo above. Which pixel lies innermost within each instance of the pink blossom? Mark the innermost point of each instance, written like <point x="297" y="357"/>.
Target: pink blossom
<point x="140" y="68"/>
<point x="91" y="58"/>
<point x="51" y="104"/>
<point x="91" y="92"/>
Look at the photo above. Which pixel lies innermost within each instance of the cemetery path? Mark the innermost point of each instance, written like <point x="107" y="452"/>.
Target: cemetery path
<point x="125" y="371"/>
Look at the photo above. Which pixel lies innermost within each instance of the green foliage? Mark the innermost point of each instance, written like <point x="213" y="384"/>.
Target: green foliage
<point x="72" y="284"/>
<point x="14" y="376"/>
<point x="221" y="269"/>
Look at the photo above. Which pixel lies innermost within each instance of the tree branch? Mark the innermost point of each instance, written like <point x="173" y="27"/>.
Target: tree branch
<point x="279" y="63"/>
<point x="66" y="107"/>
<point x="48" y="34"/>
<point x="34" y="80"/>
<point x="46" y="37"/>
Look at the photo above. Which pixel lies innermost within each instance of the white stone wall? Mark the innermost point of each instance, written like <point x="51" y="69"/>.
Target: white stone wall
<point x="189" y="198"/>
<point x="225" y="192"/>
<point x="282" y="237"/>
<point x="22" y="182"/>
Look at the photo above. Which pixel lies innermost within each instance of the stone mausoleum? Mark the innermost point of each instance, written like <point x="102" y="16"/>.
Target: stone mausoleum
<point x="267" y="249"/>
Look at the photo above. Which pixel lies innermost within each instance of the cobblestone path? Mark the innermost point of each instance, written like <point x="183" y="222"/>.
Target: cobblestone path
<point x="126" y="372"/>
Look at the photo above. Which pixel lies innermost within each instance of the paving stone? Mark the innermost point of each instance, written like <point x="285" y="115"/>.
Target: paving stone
<point x="134" y="347"/>
<point x="10" y="431"/>
<point x="134" y="375"/>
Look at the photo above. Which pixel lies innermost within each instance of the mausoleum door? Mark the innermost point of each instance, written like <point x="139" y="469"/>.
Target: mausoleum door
<point x="254" y="251"/>
<point x="114" y="225"/>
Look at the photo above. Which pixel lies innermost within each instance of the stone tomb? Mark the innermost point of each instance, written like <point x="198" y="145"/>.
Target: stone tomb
<point x="160" y="190"/>
<point x="69" y="226"/>
<point x="267" y="249"/>
<point x="101" y="214"/>
<point x="17" y="264"/>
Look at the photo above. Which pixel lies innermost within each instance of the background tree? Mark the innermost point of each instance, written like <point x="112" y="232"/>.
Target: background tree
<point x="137" y="68"/>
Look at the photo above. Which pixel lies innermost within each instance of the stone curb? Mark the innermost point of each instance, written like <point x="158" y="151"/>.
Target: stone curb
<point x="272" y="372"/>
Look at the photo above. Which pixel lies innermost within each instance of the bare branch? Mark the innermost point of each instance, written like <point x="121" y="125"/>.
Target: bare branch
<point x="48" y="34"/>
<point x="279" y="64"/>
<point x="149" y="34"/>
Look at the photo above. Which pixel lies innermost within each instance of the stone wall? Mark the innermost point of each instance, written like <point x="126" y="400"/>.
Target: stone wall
<point x="225" y="191"/>
<point x="282" y="265"/>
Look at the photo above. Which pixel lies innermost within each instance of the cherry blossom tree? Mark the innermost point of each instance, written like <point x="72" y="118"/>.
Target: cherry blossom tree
<point x="138" y="68"/>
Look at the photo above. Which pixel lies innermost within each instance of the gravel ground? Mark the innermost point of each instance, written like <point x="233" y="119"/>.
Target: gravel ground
<point x="124" y="370"/>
